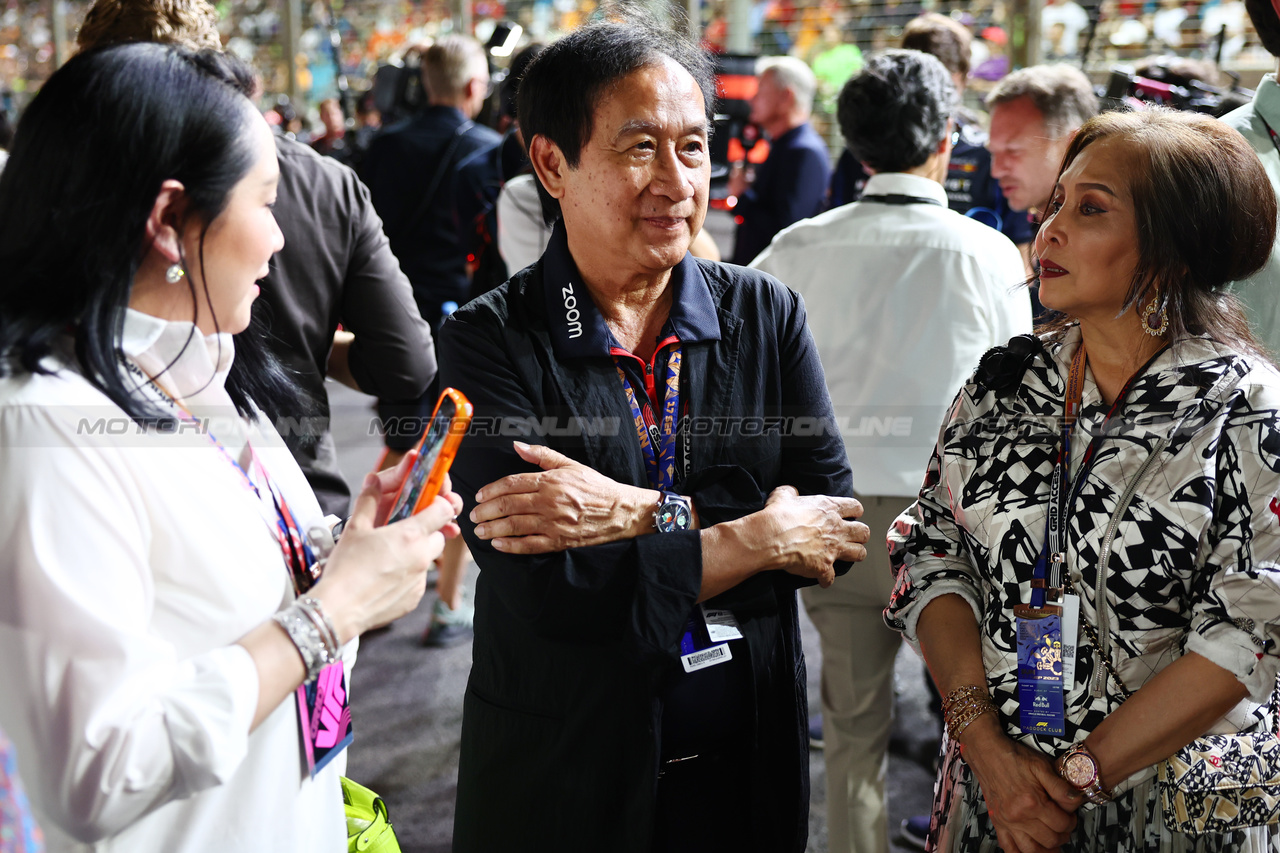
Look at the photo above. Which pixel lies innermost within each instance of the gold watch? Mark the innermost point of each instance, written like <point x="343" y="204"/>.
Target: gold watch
<point x="1078" y="766"/>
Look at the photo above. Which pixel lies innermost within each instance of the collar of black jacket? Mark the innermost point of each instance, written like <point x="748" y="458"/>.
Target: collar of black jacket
<point x="579" y="331"/>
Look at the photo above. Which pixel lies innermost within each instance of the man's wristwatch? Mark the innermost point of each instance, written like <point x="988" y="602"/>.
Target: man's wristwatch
<point x="674" y="513"/>
<point x="1078" y="766"/>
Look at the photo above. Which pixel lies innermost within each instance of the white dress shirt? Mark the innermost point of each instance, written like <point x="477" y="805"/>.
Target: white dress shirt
<point x="130" y="563"/>
<point x="902" y="301"/>
<point x="522" y="233"/>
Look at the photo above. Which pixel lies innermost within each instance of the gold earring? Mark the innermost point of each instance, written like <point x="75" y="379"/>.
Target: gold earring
<point x="1155" y="319"/>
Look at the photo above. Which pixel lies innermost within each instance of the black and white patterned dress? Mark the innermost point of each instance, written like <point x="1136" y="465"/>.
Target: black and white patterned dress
<point x="1191" y="565"/>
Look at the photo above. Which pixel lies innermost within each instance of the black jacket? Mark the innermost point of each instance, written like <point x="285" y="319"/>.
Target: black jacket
<point x="337" y="267"/>
<point x="432" y="238"/>
<point x="561" y="717"/>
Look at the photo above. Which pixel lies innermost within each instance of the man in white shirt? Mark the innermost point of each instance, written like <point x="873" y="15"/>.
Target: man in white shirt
<point x="904" y="296"/>
<point x="1261" y="293"/>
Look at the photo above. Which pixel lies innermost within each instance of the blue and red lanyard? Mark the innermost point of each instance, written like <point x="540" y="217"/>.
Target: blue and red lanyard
<point x="657" y="436"/>
<point x="298" y="556"/>
<point x="1062" y="495"/>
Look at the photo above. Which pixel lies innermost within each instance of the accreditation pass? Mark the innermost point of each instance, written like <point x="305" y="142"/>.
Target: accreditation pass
<point x="706" y="638"/>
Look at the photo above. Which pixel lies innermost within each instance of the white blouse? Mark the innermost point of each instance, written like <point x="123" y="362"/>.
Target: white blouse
<point x="130" y="563"/>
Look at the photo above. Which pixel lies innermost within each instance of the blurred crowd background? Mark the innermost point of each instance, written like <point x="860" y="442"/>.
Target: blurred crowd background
<point x="319" y="59"/>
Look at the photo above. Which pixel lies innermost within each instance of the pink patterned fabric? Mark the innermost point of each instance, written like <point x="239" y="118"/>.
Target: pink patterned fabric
<point x="18" y="831"/>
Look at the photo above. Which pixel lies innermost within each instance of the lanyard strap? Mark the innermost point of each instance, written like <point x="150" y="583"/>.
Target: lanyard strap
<point x="900" y="199"/>
<point x="1062" y="493"/>
<point x="660" y="463"/>
<point x="299" y="558"/>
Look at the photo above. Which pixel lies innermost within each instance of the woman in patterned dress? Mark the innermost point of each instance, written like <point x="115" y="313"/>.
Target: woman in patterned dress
<point x="1170" y="520"/>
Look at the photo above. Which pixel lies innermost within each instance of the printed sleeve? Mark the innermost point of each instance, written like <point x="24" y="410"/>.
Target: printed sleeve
<point x="926" y="547"/>
<point x="121" y="720"/>
<point x="1235" y="599"/>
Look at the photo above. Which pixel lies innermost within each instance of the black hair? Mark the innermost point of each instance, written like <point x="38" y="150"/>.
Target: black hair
<point x="564" y="83"/>
<point x="894" y="112"/>
<point x="940" y="36"/>
<point x="1266" y="23"/>
<point x="88" y="160"/>
<point x="515" y="72"/>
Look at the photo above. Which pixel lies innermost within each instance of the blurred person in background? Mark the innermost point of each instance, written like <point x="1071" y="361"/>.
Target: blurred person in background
<point x="163" y="588"/>
<point x="1034" y="114"/>
<point x="6" y="137"/>
<point x="336" y="268"/>
<point x="332" y="141"/>
<point x="1061" y="23"/>
<point x="435" y="179"/>
<point x="971" y="189"/>
<point x="368" y="124"/>
<point x="434" y="175"/>
<point x="792" y="183"/>
<point x="1259" y="122"/>
<point x="904" y="296"/>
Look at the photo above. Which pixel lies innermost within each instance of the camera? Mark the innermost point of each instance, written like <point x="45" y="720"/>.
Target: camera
<point x="1172" y="82"/>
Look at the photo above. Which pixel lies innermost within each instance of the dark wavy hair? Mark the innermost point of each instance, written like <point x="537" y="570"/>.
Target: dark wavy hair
<point x="1206" y="217"/>
<point x="88" y="160"/>
<point x="564" y="84"/>
<point x="894" y="112"/>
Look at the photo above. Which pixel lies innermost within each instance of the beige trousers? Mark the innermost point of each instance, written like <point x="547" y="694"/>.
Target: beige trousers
<point x="858" y="652"/>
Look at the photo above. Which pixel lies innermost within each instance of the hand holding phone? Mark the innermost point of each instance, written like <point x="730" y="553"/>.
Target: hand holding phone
<point x="435" y="453"/>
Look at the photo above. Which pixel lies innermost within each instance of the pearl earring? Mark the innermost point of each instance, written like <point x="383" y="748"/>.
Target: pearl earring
<point x="174" y="273"/>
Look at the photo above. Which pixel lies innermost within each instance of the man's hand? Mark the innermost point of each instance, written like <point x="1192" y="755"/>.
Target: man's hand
<point x="565" y="505"/>
<point x="809" y="534"/>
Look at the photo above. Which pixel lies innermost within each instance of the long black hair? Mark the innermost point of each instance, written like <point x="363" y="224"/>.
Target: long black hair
<point x="88" y="160"/>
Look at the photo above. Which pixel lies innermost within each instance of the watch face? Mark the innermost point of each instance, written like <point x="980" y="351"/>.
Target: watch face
<point x="674" y="516"/>
<point x="1079" y="769"/>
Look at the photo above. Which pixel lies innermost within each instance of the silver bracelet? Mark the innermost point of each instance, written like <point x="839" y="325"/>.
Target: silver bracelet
<point x="320" y="619"/>
<point x="311" y="632"/>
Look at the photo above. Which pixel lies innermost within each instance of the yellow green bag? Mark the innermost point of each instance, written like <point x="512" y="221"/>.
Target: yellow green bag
<point x="368" y="828"/>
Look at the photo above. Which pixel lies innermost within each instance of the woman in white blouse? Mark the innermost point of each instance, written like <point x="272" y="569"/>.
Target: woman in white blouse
<point x="159" y="548"/>
<point x="1151" y="413"/>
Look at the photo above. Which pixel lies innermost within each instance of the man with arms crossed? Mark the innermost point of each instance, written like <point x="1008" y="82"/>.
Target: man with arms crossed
<point x="607" y="708"/>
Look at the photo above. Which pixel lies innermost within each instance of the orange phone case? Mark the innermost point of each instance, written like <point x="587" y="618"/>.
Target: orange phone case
<point x="448" y="448"/>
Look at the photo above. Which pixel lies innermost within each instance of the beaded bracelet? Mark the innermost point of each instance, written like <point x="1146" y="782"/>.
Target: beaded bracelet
<point x="311" y="632"/>
<point x="964" y="705"/>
